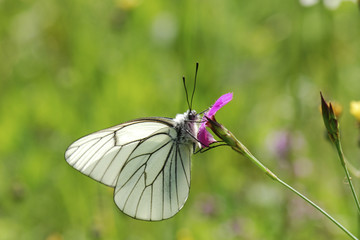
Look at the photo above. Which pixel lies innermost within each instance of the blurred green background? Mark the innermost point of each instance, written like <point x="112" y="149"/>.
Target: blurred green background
<point x="71" y="67"/>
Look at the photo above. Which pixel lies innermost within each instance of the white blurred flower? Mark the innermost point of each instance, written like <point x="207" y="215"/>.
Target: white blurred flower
<point x="308" y="3"/>
<point x="330" y="4"/>
<point x="164" y="29"/>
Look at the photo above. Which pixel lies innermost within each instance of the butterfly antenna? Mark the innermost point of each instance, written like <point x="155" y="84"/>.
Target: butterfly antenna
<point x="193" y="92"/>
<point x="186" y="92"/>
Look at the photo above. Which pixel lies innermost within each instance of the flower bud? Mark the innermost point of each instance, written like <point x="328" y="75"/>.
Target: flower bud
<point x="330" y="120"/>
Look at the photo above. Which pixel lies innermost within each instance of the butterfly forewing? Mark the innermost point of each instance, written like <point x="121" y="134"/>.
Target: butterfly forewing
<point x="101" y="155"/>
<point x="145" y="162"/>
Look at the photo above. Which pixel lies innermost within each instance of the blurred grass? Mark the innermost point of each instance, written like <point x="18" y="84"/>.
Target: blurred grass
<point x="69" y="68"/>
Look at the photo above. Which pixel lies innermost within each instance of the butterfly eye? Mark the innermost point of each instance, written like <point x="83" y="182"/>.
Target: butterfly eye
<point x="193" y="115"/>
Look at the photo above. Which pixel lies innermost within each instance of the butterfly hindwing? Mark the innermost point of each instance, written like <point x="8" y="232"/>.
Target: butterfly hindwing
<point x="160" y="185"/>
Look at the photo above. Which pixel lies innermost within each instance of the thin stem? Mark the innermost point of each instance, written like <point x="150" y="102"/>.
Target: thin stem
<point x="358" y="225"/>
<point x="343" y="163"/>
<point x="274" y="177"/>
<point x="352" y="169"/>
<point x="318" y="208"/>
<point x="236" y="145"/>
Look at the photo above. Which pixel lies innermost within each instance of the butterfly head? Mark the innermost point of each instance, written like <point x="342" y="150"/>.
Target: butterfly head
<point x="188" y="117"/>
<point x="192" y="115"/>
<point x="187" y="126"/>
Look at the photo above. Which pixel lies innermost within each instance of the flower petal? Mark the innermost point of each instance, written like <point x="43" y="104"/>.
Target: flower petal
<point x="204" y="137"/>
<point x="222" y="101"/>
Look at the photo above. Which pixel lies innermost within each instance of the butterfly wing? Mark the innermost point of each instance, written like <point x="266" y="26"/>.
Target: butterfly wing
<point x="155" y="186"/>
<point x="143" y="160"/>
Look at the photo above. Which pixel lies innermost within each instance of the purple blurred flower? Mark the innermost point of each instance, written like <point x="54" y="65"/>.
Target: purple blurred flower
<point x="280" y="143"/>
<point x="204" y="136"/>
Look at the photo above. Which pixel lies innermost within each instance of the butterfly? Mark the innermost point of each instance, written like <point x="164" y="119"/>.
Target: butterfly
<point x="147" y="161"/>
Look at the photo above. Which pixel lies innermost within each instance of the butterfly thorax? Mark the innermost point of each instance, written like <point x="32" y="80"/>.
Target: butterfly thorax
<point x="187" y="127"/>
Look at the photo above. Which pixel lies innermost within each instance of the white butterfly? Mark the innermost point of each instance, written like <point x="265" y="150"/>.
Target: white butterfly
<point x="147" y="161"/>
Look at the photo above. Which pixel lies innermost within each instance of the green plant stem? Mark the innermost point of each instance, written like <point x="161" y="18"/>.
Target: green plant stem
<point x="236" y="145"/>
<point x="343" y="163"/>
<point x="358" y="225"/>
<point x="353" y="170"/>
<point x="247" y="154"/>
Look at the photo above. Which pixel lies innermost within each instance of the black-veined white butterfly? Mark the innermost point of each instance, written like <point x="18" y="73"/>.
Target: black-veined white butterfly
<point x="147" y="161"/>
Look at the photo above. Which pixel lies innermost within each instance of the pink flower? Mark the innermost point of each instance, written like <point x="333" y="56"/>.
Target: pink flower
<point x="204" y="136"/>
